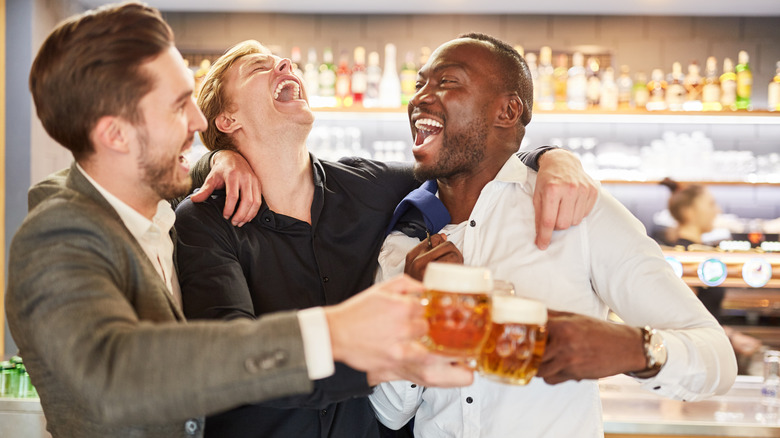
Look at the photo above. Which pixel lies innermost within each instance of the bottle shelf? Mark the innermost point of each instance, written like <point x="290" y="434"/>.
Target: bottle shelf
<point x="588" y="116"/>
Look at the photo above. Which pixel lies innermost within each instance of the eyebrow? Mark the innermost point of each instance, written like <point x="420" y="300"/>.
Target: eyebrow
<point x="450" y="65"/>
<point x="182" y="97"/>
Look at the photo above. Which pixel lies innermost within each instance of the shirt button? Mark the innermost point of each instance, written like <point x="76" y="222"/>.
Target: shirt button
<point x="325" y="279"/>
<point x="473" y="223"/>
<point x="267" y="219"/>
<point x="324" y="412"/>
<point x="190" y="426"/>
<point x="414" y="385"/>
<point x="469" y="400"/>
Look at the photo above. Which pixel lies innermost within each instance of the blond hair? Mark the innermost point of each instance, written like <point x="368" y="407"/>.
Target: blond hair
<point x="212" y="98"/>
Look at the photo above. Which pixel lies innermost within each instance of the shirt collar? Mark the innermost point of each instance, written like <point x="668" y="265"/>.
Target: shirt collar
<point x="135" y="222"/>
<point x="513" y="171"/>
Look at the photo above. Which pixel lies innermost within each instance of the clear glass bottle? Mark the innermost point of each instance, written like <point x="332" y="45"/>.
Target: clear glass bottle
<point x="373" y="78"/>
<point x="773" y="95"/>
<point x="546" y="96"/>
<point x="593" y="88"/>
<point x="640" y="94"/>
<point x="311" y="77"/>
<point x="710" y="93"/>
<point x="625" y="86"/>
<point x="577" y="83"/>
<point x="390" y="85"/>
<point x="343" y="86"/>
<point x="694" y="85"/>
<point x="609" y="91"/>
<point x="657" y="91"/>
<point x="560" y="79"/>
<point x="728" y="86"/>
<point x="675" y="90"/>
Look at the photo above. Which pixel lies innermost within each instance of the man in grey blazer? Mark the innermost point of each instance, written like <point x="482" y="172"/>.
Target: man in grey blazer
<point x="93" y="297"/>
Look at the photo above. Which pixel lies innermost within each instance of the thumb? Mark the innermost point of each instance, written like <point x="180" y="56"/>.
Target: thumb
<point x="203" y="193"/>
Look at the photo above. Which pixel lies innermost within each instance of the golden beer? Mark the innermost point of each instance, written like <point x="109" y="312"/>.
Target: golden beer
<point x="515" y="344"/>
<point x="457" y="308"/>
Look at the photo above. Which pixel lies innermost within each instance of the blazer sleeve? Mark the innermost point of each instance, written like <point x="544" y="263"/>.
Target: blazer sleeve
<point x="214" y="286"/>
<point x="87" y="313"/>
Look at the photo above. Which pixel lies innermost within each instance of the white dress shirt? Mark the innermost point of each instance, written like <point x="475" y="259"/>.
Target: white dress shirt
<point x="607" y="262"/>
<point x="155" y="239"/>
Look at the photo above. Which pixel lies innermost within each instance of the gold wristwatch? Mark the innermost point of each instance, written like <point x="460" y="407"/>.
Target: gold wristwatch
<point x="655" y="353"/>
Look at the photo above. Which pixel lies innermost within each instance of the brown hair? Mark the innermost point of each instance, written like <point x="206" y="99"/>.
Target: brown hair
<point x="212" y="99"/>
<point x="90" y="67"/>
<point x="682" y="197"/>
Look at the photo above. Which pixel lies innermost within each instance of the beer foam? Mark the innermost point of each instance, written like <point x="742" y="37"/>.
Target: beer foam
<point x="514" y="309"/>
<point x="449" y="277"/>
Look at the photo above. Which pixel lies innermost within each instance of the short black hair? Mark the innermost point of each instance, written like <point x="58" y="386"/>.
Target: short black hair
<point x="516" y="75"/>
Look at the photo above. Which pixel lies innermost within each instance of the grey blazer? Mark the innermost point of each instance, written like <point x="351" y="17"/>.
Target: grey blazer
<point x="106" y="346"/>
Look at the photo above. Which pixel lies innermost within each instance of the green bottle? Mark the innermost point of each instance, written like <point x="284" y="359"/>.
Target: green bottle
<point x="9" y="379"/>
<point x="744" y="82"/>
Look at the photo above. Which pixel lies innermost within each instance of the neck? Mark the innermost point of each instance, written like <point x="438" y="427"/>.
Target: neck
<point x="118" y="180"/>
<point x="285" y="172"/>
<point x="461" y="192"/>
<point x="689" y="232"/>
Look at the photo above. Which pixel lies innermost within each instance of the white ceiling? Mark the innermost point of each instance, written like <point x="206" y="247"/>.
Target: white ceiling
<point x="597" y="7"/>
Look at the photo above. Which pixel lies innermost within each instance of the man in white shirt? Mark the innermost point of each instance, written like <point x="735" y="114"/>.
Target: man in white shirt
<point x="468" y="117"/>
<point x="93" y="298"/>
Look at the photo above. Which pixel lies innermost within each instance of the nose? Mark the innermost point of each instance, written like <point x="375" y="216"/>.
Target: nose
<point x="423" y="96"/>
<point x="284" y="66"/>
<point x="197" y="119"/>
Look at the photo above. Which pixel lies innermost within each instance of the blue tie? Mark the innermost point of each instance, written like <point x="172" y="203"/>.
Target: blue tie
<point x="420" y="212"/>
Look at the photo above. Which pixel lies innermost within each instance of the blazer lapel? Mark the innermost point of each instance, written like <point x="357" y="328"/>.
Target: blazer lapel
<point x="79" y="183"/>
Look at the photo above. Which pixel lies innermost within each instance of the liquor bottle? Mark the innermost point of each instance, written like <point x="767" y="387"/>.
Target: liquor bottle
<point x="560" y="77"/>
<point x="577" y="83"/>
<point x="373" y="78"/>
<point x="773" y="96"/>
<point x="657" y="90"/>
<point x="744" y="81"/>
<point x="530" y="59"/>
<point x="295" y="57"/>
<point x="359" y="79"/>
<point x="694" y="85"/>
<point x="200" y="74"/>
<point x="625" y="86"/>
<point x="328" y="79"/>
<point x="519" y="49"/>
<point x="390" y="85"/>
<point x="728" y="86"/>
<point x="609" y="91"/>
<point x="311" y="78"/>
<point x="640" y="93"/>
<point x="425" y="53"/>
<point x="593" y="89"/>
<point x="343" y="81"/>
<point x="408" y="78"/>
<point x="546" y="86"/>
<point x="710" y="93"/>
<point x="675" y="91"/>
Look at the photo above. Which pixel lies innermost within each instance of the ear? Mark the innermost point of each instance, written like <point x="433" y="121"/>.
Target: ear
<point x="510" y="112"/>
<point x="227" y="123"/>
<point x="113" y="133"/>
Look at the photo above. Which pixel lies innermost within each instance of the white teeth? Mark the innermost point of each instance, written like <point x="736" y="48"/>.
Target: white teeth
<point x="430" y="122"/>
<point x="296" y="89"/>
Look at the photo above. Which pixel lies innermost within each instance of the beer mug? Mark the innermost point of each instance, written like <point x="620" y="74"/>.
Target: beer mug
<point x="457" y="308"/>
<point x="516" y="340"/>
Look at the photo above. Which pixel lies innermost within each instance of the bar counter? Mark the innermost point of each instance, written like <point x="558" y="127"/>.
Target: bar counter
<point x="631" y="412"/>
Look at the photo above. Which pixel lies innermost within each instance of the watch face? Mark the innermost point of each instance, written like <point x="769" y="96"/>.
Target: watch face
<point x="677" y="267"/>
<point x="757" y="272"/>
<point x="712" y="272"/>
<point x="657" y="349"/>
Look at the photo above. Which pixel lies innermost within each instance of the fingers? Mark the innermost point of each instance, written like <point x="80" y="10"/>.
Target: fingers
<point x="248" y="206"/>
<point x="231" y="198"/>
<point x="205" y="190"/>
<point x="545" y="212"/>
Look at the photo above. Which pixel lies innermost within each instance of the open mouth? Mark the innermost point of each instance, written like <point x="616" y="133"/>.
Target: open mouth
<point x="287" y="90"/>
<point x="426" y="128"/>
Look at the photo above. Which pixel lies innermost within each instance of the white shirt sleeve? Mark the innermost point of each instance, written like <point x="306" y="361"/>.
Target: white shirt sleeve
<point x="395" y="403"/>
<point x="316" y="343"/>
<point x="631" y="275"/>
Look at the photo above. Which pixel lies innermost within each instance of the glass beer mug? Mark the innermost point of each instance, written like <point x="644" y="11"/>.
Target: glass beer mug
<point x="457" y="308"/>
<point x="516" y="340"/>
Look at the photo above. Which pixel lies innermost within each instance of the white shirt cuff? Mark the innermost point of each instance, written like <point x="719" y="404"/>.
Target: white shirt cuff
<point x="316" y="343"/>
